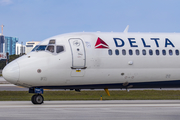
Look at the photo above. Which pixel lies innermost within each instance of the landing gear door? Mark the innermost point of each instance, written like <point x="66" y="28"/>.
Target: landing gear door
<point x="78" y="53"/>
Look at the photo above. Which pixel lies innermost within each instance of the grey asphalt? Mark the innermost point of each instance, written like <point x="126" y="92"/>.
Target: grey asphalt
<point x="91" y="110"/>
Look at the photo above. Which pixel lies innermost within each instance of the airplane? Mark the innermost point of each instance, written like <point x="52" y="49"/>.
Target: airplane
<point x="98" y="60"/>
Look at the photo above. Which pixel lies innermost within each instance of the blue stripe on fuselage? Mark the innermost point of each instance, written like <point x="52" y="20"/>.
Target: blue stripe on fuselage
<point x="158" y="84"/>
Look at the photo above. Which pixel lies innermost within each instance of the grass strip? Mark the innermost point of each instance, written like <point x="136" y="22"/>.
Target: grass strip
<point x="94" y="95"/>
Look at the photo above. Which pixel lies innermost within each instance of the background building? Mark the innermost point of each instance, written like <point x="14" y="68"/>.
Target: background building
<point x="30" y="45"/>
<point x="20" y="49"/>
<point x="1" y="43"/>
<point x="10" y="45"/>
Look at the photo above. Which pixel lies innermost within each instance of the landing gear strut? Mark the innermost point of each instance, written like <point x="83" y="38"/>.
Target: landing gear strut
<point x="37" y="99"/>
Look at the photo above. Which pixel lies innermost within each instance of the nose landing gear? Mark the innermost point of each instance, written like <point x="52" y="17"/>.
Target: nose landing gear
<point x="37" y="98"/>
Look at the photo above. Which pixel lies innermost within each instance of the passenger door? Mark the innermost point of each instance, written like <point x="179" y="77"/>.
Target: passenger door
<point x="78" y="53"/>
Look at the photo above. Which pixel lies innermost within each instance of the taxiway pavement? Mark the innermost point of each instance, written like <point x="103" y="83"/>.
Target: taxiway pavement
<point x="91" y="110"/>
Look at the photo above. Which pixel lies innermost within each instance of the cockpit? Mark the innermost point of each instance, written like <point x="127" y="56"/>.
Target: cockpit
<point x="51" y="47"/>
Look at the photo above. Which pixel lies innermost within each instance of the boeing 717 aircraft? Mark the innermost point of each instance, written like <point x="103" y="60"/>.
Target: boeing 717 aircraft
<point x="98" y="60"/>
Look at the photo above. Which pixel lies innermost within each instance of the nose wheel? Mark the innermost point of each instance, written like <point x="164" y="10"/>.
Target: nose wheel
<point x="37" y="99"/>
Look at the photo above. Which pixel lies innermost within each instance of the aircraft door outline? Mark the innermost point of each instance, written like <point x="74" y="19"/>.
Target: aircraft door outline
<point x="78" y="53"/>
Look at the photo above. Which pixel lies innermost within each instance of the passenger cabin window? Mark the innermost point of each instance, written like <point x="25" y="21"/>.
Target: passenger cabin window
<point x="117" y="52"/>
<point x="177" y="52"/>
<point x="150" y="52"/>
<point x="52" y="42"/>
<point x="59" y="49"/>
<point x="157" y="52"/>
<point x="144" y="52"/>
<point x="110" y="52"/>
<point x="50" y="48"/>
<point x="164" y="52"/>
<point x="130" y="52"/>
<point x="137" y="52"/>
<point x="170" y="52"/>
<point x="124" y="52"/>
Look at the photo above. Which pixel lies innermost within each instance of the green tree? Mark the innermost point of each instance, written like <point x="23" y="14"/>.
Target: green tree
<point x="2" y="64"/>
<point x="11" y="58"/>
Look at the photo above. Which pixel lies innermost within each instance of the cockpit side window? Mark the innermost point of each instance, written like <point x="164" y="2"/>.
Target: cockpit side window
<point x="50" y="48"/>
<point x="54" y="48"/>
<point x="52" y="41"/>
<point x="59" y="49"/>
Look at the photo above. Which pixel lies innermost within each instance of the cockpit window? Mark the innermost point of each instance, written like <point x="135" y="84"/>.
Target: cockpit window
<point x="41" y="48"/>
<point x="50" y="48"/>
<point x="59" y="49"/>
<point x="52" y="42"/>
<point x="35" y="48"/>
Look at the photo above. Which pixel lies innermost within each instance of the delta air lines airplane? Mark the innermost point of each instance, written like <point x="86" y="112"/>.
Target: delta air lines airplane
<point x="98" y="60"/>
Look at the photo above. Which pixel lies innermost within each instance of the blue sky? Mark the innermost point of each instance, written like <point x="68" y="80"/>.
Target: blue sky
<point x="40" y="19"/>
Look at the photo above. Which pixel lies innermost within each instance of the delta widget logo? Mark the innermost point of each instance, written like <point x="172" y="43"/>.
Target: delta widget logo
<point x="100" y="44"/>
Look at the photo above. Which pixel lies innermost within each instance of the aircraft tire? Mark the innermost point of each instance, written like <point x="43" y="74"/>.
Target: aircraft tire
<point x="33" y="99"/>
<point x="37" y="99"/>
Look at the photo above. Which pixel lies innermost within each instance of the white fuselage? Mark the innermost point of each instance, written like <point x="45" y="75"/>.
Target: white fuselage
<point x="91" y="60"/>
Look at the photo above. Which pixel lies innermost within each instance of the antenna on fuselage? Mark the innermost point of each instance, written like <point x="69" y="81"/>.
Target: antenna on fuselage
<point x="126" y="29"/>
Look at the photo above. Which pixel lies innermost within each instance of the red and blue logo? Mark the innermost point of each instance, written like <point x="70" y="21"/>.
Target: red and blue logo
<point x="101" y="44"/>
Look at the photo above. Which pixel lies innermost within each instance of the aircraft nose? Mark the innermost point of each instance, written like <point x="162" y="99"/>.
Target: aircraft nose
<point x="11" y="72"/>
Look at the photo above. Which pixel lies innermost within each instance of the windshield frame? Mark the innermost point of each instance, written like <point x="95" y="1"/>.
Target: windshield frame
<point x="34" y="49"/>
<point x="41" y="48"/>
